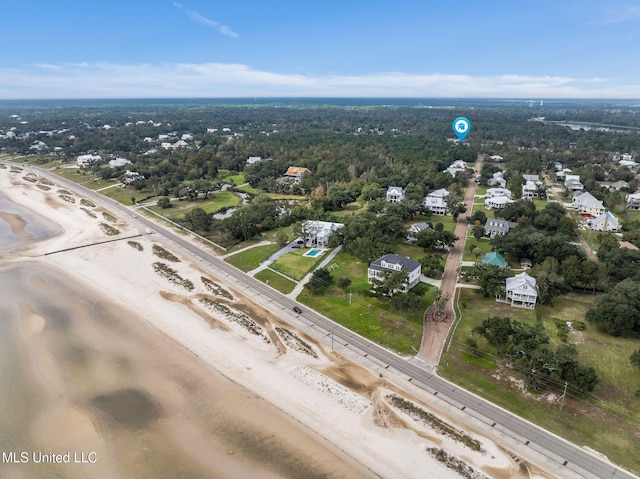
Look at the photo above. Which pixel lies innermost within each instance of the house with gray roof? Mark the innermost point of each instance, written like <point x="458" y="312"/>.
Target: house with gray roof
<point x="521" y="291"/>
<point x="436" y="202"/>
<point x="395" y="194"/>
<point x="317" y="233"/>
<point x="606" y="222"/>
<point x="416" y="228"/>
<point x="633" y="201"/>
<point x="390" y="263"/>
<point x="588" y="204"/>
<point x="496" y="227"/>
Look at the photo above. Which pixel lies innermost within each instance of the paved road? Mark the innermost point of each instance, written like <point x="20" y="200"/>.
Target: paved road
<point x="436" y="332"/>
<point x="554" y="448"/>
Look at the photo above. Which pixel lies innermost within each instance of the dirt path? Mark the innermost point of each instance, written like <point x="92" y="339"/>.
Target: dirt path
<point x="436" y="332"/>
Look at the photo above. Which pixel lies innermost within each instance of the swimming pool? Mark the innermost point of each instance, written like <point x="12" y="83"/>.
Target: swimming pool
<point x="313" y="252"/>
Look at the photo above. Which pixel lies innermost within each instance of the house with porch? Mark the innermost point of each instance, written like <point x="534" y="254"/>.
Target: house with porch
<point x="496" y="227"/>
<point x="317" y="233"/>
<point x="588" y="204"/>
<point x="297" y="173"/>
<point x="521" y="291"/>
<point x="416" y="228"/>
<point x="497" y="203"/>
<point x="394" y="262"/>
<point x="436" y="202"/>
<point x="395" y="194"/>
<point x="633" y="201"/>
<point x="606" y="222"/>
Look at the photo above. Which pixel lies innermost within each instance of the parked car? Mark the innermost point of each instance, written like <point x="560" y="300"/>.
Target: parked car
<point x="296" y="246"/>
<point x="300" y="242"/>
<point x="297" y="310"/>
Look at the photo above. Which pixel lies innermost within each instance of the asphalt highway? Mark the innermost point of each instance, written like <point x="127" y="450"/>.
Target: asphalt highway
<point x="573" y="458"/>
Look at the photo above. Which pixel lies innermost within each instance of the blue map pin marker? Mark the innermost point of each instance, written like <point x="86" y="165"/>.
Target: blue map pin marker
<point x="461" y="127"/>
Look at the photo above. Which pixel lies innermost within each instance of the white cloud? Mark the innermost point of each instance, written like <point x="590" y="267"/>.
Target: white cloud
<point x="111" y="80"/>
<point x="196" y="17"/>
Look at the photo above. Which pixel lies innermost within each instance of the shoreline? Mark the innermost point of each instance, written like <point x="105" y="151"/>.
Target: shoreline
<point x="394" y="447"/>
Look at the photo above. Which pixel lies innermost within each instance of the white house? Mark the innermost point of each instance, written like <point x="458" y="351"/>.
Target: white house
<point x="317" y="233"/>
<point x="615" y="186"/>
<point x="495" y="192"/>
<point x="530" y="189"/>
<point x="521" y="291"/>
<point x="118" y="162"/>
<point x="416" y="228"/>
<point x="496" y="158"/>
<point x="585" y="202"/>
<point x="606" y="222"/>
<point x="395" y="194"/>
<point x="436" y="202"/>
<point x="497" y="180"/>
<point x="633" y="201"/>
<point x="131" y="176"/>
<point x="85" y="160"/>
<point x="394" y="262"/>
<point x="573" y="183"/>
<point x="496" y="227"/>
<point x="252" y="160"/>
<point x="497" y="202"/>
<point x="456" y="166"/>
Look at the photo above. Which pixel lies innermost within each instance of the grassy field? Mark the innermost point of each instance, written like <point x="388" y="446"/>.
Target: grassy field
<point x="483" y="245"/>
<point x="217" y="201"/>
<point x="607" y="420"/>
<point x="251" y="258"/>
<point x="275" y="280"/>
<point x="367" y="315"/>
<point x="295" y="265"/>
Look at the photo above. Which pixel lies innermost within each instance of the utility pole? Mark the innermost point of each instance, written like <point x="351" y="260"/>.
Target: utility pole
<point x="350" y="296"/>
<point x="564" y="394"/>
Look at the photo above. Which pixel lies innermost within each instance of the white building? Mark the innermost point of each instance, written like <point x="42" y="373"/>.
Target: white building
<point x="530" y="189"/>
<point x="394" y="262"/>
<point x="416" y="228"/>
<point x="606" y="222"/>
<point x="395" y="194"/>
<point x="436" y="202"/>
<point x="497" y="180"/>
<point x="252" y="160"/>
<point x="497" y="202"/>
<point x="318" y="233"/>
<point x="456" y="167"/>
<point x="118" y="162"/>
<point x="586" y="203"/>
<point x="495" y="192"/>
<point x="521" y="291"/>
<point x="573" y="183"/>
<point x="633" y="201"/>
<point x="85" y="160"/>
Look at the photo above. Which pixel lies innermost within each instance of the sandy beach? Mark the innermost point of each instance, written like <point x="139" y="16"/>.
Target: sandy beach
<point x="163" y="370"/>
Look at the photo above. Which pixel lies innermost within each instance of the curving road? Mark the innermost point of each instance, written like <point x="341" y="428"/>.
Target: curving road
<point x="575" y="459"/>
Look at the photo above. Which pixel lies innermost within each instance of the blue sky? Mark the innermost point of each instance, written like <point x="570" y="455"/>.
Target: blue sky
<point x="374" y="48"/>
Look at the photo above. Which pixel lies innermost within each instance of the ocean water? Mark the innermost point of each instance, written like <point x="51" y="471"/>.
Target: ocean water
<point x="89" y="390"/>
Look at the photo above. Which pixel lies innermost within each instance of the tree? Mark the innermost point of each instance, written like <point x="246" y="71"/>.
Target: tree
<point x="405" y="303"/>
<point x="441" y="300"/>
<point x="320" y="280"/>
<point x="391" y="282"/>
<point x="432" y="265"/>
<point x="497" y="331"/>
<point x="635" y="358"/>
<point x="619" y="310"/>
<point x="491" y="278"/>
<point x="199" y="219"/>
<point x="164" y="202"/>
<point x="343" y="283"/>
<point x="478" y="232"/>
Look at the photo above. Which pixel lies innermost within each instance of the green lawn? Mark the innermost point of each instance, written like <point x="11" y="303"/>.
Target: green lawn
<point x="483" y="245"/>
<point x="251" y="258"/>
<point x="275" y="280"/>
<point x="608" y="421"/>
<point x="84" y="178"/>
<point x="414" y="252"/>
<point x="250" y="189"/>
<point x="217" y="201"/>
<point x="350" y="209"/>
<point x="295" y="265"/>
<point x="369" y="316"/>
